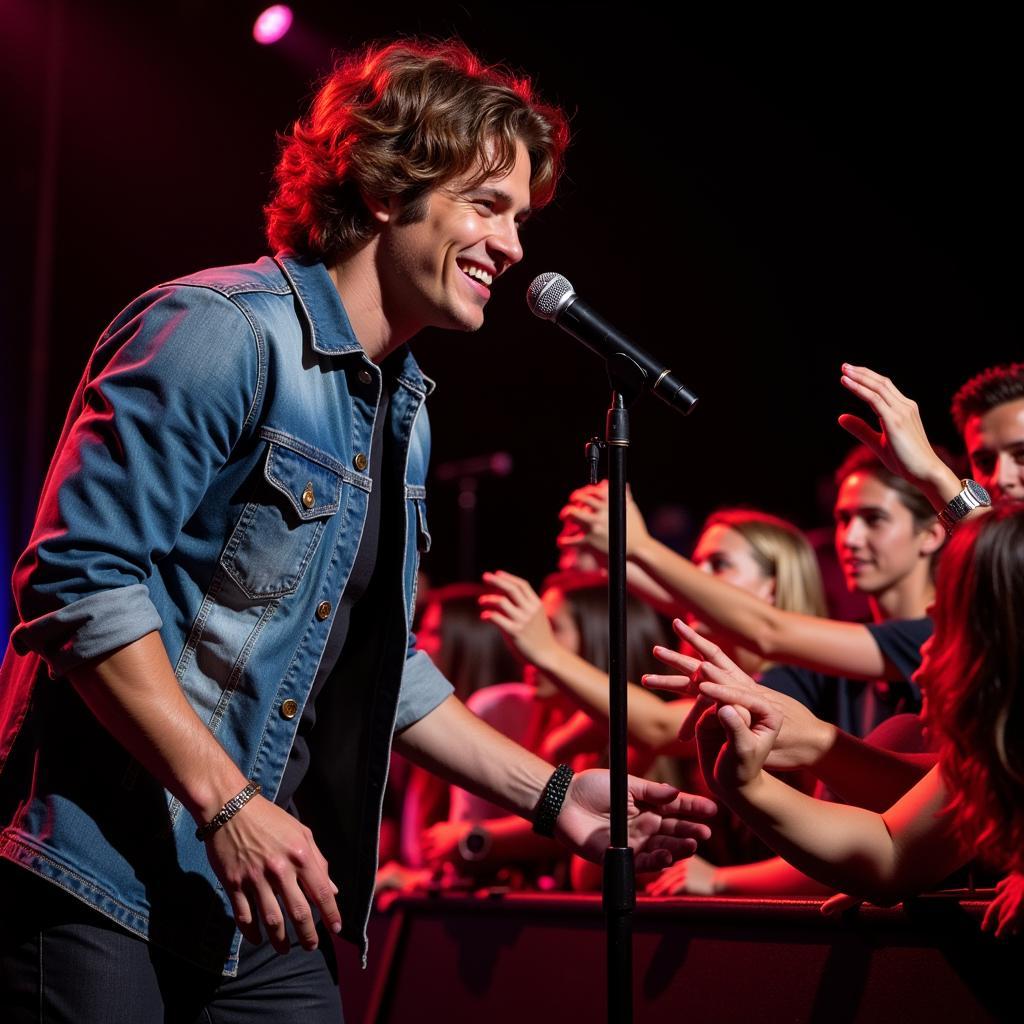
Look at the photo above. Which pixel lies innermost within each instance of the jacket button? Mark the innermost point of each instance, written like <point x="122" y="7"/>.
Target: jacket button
<point x="365" y="377"/>
<point x="308" y="497"/>
<point x="289" y="708"/>
<point x="360" y="461"/>
<point x="323" y="610"/>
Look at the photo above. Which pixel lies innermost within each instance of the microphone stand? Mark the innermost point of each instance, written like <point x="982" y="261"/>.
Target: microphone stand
<point x="619" y="890"/>
<point x="630" y="372"/>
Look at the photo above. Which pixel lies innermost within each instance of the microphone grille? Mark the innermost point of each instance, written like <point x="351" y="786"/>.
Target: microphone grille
<point x="547" y="294"/>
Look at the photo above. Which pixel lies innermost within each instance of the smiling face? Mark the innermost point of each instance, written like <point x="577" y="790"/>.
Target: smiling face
<point x="877" y="541"/>
<point x="438" y="271"/>
<point x="995" y="444"/>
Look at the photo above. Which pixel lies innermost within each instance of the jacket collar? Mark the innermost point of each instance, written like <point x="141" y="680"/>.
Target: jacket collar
<point x="330" y="331"/>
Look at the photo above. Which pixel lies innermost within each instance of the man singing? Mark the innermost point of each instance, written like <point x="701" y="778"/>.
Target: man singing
<point x="213" y="653"/>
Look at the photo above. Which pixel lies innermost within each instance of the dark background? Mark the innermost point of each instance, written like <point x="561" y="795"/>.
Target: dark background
<point x="754" y="199"/>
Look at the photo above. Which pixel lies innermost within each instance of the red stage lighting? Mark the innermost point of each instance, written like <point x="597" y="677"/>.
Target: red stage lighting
<point x="272" y="24"/>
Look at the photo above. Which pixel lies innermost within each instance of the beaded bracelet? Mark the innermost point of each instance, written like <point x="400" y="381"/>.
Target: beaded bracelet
<point x="228" y="811"/>
<point x="545" y="814"/>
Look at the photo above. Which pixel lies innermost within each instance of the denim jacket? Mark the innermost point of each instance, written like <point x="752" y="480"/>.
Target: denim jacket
<point x="208" y="484"/>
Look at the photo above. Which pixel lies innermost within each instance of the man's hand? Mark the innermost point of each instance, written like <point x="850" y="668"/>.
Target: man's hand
<point x="270" y="866"/>
<point x="714" y="678"/>
<point x="901" y="444"/>
<point x="514" y="607"/>
<point x="657" y="820"/>
<point x="586" y="520"/>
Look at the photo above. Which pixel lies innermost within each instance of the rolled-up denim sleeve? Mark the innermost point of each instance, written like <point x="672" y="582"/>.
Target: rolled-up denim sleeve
<point x="424" y="687"/>
<point x="171" y="387"/>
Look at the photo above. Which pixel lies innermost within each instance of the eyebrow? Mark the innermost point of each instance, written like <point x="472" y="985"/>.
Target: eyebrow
<point x="860" y="509"/>
<point x="502" y="196"/>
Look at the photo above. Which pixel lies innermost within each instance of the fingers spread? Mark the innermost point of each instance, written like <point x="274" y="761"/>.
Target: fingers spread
<point x="707" y="650"/>
<point x="861" y="431"/>
<point x="647" y="792"/>
<point x="674" y="684"/>
<point x="505" y="624"/>
<point x="683" y="662"/>
<point x="684" y="806"/>
<point x="744" y="697"/>
<point x="499" y="603"/>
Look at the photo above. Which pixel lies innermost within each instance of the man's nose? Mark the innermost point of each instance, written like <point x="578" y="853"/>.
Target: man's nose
<point x="853" y="533"/>
<point x="1009" y="477"/>
<point x="506" y="243"/>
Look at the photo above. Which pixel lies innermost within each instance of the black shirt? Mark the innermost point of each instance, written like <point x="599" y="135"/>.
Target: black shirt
<point x="856" y="705"/>
<point x="357" y="585"/>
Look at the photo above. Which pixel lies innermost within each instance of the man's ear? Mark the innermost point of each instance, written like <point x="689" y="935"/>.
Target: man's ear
<point x="934" y="536"/>
<point x="381" y="210"/>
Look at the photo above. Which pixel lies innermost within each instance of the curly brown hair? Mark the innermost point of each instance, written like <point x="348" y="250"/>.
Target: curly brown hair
<point x="974" y="680"/>
<point x="986" y="390"/>
<point x="397" y="121"/>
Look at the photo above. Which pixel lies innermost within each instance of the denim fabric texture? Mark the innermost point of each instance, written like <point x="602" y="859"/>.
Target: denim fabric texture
<point x="204" y="485"/>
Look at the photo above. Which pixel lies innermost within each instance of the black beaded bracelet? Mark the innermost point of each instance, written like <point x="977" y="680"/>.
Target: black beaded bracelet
<point x="228" y="811"/>
<point x="545" y="814"/>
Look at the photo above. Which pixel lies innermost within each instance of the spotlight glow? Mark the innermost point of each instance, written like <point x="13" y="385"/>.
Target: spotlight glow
<point x="272" y="24"/>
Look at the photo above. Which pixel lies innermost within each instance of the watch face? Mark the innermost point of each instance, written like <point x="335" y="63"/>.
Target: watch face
<point x="977" y="492"/>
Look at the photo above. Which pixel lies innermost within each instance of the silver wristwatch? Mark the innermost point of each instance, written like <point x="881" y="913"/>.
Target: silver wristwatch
<point x="971" y="497"/>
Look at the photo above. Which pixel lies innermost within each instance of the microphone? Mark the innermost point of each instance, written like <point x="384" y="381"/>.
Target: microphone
<point x="551" y="297"/>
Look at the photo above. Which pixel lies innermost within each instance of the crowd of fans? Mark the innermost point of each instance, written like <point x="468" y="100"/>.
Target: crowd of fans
<point x="873" y="759"/>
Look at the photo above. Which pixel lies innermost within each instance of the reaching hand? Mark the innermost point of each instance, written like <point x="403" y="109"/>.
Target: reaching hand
<point x="270" y="865"/>
<point x="1005" y="914"/>
<point x="902" y="444"/>
<point x="803" y="738"/>
<point x="514" y="607"/>
<point x="659" y="831"/>
<point x="694" y="876"/>
<point x="586" y="520"/>
<point x="734" y="741"/>
<point x="440" y="842"/>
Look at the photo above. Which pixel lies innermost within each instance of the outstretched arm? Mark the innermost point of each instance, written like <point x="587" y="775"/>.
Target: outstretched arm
<point x="881" y="857"/>
<point x="901" y="444"/>
<point x="772" y="877"/>
<point x="859" y="772"/>
<point x="457" y="745"/>
<point x="516" y="610"/>
<point x="825" y="645"/>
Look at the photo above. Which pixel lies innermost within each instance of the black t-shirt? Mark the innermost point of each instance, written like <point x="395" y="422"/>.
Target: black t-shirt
<point x="855" y="705"/>
<point x="357" y="585"/>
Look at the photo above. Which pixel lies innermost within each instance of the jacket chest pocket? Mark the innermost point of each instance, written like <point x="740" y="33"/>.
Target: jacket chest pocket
<point x="279" y="530"/>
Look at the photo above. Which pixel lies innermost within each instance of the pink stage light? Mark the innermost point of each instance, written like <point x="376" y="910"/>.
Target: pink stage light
<point x="272" y="24"/>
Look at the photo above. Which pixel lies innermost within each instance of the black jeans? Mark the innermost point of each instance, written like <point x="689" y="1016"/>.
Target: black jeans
<point x="62" y="961"/>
